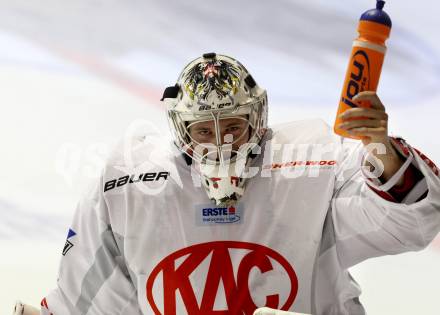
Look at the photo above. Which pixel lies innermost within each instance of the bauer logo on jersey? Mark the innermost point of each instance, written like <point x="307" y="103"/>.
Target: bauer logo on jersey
<point x="68" y="246"/>
<point x="208" y="214"/>
<point x="130" y="179"/>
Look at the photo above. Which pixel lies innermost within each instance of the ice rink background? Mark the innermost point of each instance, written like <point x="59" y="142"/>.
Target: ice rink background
<point x="75" y="75"/>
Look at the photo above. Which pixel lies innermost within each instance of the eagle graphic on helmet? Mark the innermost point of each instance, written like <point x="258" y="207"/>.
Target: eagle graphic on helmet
<point x="212" y="75"/>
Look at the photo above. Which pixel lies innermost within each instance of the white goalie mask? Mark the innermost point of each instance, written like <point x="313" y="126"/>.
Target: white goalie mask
<point x="218" y="114"/>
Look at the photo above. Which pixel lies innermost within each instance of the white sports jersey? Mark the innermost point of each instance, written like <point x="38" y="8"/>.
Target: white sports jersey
<point x="147" y="240"/>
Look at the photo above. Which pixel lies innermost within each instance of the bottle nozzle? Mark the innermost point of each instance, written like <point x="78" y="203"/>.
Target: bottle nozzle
<point x="380" y="4"/>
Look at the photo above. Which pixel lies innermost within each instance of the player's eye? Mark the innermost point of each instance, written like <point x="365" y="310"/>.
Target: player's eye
<point x="204" y="132"/>
<point x="233" y="129"/>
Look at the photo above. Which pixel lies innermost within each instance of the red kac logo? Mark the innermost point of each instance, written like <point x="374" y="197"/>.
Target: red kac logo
<point x="237" y="292"/>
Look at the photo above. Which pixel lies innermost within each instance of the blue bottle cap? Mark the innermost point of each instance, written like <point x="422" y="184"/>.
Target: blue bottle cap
<point x="377" y="15"/>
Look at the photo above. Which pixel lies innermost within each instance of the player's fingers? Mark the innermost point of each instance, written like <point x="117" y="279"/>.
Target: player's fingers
<point x="18" y="308"/>
<point x="362" y="123"/>
<point x="369" y="131"/>
<point x="371" y="97"/>
<point x="364" y="112"/>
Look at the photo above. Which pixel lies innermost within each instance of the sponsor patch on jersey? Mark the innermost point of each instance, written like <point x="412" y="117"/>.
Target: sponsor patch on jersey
<point x="209" y="214"/>
<point x="68" y="246"/>
<point x="302" y="164"/>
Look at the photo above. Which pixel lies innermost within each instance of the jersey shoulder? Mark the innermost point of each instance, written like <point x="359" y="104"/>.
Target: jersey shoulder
<point x="304" y="131"/>
<point x="149" y="155"/>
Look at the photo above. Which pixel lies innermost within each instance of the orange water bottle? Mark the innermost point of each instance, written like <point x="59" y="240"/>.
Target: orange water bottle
<point x="366" y="60"/>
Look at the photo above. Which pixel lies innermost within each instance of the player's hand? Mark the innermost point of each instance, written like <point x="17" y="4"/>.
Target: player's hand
<point x="24" y="309"/>
<point x="370" y="124"/>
